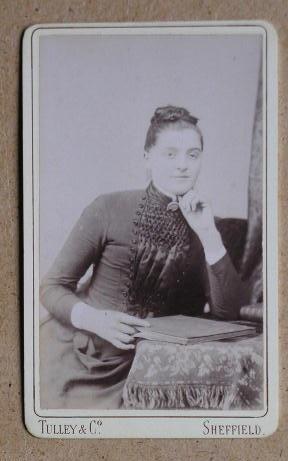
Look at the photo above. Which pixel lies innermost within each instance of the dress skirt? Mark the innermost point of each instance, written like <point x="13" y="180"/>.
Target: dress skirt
<point x="80" y="370"/>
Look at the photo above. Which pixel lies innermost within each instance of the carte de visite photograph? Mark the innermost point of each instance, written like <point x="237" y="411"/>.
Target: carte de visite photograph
<point x="150" y="229"/>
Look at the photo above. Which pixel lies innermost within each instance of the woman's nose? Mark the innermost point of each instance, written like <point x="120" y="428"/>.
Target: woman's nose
<point x="182" y="162"/>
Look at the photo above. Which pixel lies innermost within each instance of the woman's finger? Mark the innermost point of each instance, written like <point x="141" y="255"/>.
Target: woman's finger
<point x="188" y="199"/>
<point x="191" y="194"/>
<point x="131" y="320"/>
<point x="184" y="204"/>
<point x="124" y="328"/>
<point x="124" y="338"/>
<point x="198" y="205"/>
<point x="193" y="203"/>
<point x="123" y="346"/>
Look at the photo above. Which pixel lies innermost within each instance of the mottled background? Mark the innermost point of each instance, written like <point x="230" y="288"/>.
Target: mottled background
<point x="15" y="442"/>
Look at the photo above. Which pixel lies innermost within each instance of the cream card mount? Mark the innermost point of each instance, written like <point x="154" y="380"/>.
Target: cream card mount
<point x="150" y="190"/>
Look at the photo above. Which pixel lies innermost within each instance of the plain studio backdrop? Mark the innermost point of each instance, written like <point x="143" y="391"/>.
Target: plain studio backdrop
<point x="97" y="95"/>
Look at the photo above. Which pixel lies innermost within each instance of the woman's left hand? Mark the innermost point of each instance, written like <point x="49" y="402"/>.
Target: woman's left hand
<point x="197" y="212"/>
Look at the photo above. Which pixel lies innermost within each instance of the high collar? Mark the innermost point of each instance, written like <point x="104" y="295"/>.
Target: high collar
<point x="159" y="195"/>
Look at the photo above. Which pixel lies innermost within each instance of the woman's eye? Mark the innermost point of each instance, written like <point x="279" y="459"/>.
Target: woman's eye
<point x="194" y="154"/>
<point x="170" y="154"/>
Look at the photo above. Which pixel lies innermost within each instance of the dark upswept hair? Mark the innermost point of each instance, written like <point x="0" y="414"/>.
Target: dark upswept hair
<point x="166" y="116"/>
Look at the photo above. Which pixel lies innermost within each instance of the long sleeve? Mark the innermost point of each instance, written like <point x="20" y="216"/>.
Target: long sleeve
<point x="227" y="292"/>
<point x="82" y="248"/>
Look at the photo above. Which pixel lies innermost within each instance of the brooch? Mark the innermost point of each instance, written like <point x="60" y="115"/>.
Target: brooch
<point x="173" y="206"/>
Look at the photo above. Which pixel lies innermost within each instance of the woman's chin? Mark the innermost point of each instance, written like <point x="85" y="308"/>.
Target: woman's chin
<point x="181" y="190"/>
<point x="176" y="187"/>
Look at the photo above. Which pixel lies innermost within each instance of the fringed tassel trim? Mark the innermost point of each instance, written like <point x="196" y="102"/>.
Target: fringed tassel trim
<point x="183" y="396"/>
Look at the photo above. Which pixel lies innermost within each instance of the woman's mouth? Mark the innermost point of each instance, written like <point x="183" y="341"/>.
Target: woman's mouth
<point x="181" y="177"/>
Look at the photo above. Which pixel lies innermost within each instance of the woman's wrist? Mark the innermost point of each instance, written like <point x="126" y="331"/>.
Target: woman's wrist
<point x="213" y="246"/>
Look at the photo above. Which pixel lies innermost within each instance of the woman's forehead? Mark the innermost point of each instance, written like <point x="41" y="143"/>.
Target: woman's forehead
<point x="179" y="137"/>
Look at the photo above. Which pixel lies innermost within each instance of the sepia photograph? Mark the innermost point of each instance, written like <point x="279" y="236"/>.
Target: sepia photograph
<point x="148" y="269"/>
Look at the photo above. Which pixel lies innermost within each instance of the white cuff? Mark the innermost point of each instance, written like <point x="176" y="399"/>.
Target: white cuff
<point x="215" y="256"/>
<point x="77" y="315"/>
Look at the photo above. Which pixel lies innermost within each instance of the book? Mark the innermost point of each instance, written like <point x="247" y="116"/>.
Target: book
<point x="252" y="313"/>
<point x="182" y="329"/>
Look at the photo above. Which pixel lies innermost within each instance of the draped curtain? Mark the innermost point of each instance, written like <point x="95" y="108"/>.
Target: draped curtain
<point x="252" y="257"/>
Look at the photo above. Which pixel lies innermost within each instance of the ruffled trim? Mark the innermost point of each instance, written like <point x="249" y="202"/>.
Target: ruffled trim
<point x="164" y="257"/>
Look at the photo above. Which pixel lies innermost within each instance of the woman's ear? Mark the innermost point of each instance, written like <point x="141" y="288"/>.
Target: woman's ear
<point x="148" y="168"/>
<point x="147" y="157"/>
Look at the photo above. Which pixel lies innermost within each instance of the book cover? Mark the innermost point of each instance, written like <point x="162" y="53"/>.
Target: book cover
<point x="183" y="329"/>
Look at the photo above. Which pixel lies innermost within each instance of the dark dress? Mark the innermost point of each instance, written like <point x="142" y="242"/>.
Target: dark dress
<point x="146" y="259"/>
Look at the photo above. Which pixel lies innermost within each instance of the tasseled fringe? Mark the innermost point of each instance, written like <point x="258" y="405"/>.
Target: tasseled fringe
<point x="182" y="396"/>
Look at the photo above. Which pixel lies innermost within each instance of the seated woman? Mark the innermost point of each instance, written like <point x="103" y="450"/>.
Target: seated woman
<point x="154" y="252"/>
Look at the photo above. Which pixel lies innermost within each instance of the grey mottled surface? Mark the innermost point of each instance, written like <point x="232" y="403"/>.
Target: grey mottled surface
<point x="15" y="442"/>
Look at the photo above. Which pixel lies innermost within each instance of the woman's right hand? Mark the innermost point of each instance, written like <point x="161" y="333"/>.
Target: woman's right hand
<point x="116" y="327"/>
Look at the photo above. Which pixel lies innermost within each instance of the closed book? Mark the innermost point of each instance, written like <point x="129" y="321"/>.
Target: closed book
<point x="182" y="329"/>
<point x="252" y="313"/>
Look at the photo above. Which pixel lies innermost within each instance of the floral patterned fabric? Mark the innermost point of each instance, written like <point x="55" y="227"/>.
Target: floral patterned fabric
<point x="212" y="375"/>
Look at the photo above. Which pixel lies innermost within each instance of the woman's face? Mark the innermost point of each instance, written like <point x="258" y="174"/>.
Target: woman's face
<point x="175" y="159"/>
